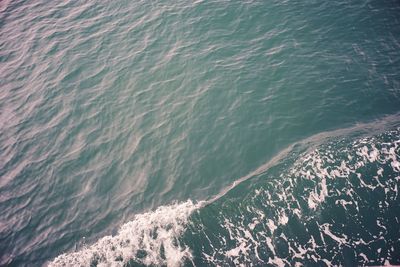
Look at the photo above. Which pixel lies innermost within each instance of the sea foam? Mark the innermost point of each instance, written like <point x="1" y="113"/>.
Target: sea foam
<point x="152" y="238"/>
<point x="356" y="178"/>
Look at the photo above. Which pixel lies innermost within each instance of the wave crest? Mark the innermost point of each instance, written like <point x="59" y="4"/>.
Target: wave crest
<point x="152" y="238"/>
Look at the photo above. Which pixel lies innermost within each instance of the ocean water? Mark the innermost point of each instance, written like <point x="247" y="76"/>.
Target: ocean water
<point x="199" y="133"/>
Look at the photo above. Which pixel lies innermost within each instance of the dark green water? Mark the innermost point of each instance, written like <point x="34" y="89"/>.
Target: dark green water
<point x="199" y="133"/>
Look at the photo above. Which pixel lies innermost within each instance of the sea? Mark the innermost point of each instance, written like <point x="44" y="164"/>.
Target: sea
<point x="199" y="133"/>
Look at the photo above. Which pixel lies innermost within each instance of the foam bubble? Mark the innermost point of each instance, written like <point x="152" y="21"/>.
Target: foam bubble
<point x="324" y="204"/>
<point x="152" y="238"/>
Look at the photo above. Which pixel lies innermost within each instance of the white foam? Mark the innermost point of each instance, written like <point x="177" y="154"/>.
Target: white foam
<point x="253" y="224"/>
<point x="283" y="219"/>
<point x="328" y="263"/>
<point x="321" y="165"/>
<point x="258" y="226"/>
<point x="236" y="251"/>
<point x="380" y="172"/>
<point x="326" y="230"/>
<point x="277" y="262"/>
<point x="365" y="258"/>
<point x="271" y="225"/>
<point x="343" y="202"/>
<point x="149" y="233"/>
<point x="313" y="199"/>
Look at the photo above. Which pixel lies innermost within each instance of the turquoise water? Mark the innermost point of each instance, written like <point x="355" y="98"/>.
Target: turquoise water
<point x="199" y="133"/>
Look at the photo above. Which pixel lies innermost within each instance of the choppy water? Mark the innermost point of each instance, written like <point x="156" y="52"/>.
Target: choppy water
<point x="199" y="133"/>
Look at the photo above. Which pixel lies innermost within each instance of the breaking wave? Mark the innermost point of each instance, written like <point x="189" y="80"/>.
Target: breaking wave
<point x="152" y="238"/>
<point x="334" y="202"/>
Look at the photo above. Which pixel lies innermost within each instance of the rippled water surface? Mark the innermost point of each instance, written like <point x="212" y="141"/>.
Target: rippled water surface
<point x="199" y="133"/>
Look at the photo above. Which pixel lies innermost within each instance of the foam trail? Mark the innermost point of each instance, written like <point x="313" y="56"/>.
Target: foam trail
<point x="150" y="239"/>
<point x="260" y="170"/>
<point x="311" y="142"/>
<point x="339" y="196"/>
<point x="153" y="238"/>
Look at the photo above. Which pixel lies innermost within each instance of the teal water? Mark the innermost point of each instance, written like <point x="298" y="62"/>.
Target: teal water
<point x="199" y="133"/>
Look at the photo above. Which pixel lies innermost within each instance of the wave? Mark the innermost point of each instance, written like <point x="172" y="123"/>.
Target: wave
<point x="332" y="205"/>
<point x="327" y="200"/>
<point x="152" y="238"/>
